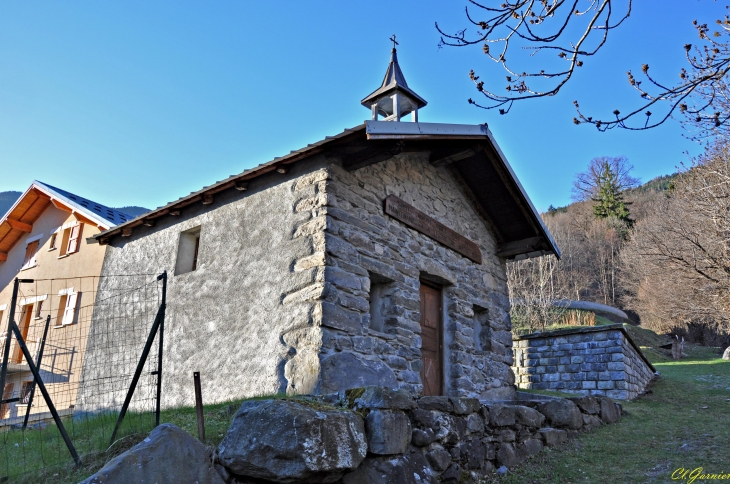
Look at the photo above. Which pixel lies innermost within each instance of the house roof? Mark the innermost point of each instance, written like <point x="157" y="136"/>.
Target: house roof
<point x="470" y="150"/>
<point x="393" y="80"/>
<point x="20" y="218"/>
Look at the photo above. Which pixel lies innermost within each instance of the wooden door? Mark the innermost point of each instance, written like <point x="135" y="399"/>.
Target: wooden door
<point x="23" y="327"/>
<point x="431" y="335"/>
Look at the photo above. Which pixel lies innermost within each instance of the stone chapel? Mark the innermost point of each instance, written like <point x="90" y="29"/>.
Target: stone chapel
<point x="372" y="257"/>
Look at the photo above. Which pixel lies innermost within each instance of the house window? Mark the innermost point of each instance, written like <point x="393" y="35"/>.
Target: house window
<point x="52" y="242"/>
<point x="25" y="392"/>
<point x="71" y="239"/>
<point x="30" y="251"/>
<point x="39" y="310"/>
<point x="188" y="249"/>
<point x="67" y="307"/>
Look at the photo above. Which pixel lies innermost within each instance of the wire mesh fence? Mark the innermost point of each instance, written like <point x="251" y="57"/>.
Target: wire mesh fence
<point x="85" y="336"/>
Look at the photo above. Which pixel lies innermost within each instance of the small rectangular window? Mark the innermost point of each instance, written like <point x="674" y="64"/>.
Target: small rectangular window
<point x="39" y="309"/>
<point x="25" y="392"/>
<point x="30" y="251"/>
<point x="188" y="251"/>
<point x="52" y="242"/>
<point x="67" y="308"/>
<point x="74" y="238"/>
<point x="71" y="239"/>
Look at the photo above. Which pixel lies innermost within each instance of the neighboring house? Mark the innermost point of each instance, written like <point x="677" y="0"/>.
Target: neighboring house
<point x="373" y="257"/>
<point x="42" y="237"/>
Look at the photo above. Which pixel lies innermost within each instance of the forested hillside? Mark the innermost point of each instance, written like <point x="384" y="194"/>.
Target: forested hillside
<point x="659" y="250"/>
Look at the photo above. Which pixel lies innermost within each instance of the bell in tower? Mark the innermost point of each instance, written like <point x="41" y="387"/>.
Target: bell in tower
<point x="394" y="99"/>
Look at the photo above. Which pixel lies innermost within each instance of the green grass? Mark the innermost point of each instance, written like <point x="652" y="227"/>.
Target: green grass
<point x="683" y="422"/>
<point x="36" y="456"/>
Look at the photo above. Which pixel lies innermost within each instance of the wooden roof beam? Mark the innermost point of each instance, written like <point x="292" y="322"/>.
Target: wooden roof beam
<point x="517" y="247"/>
<point x="3" y="256"/>
<point x="18" y="225"/>
<point x="61" y="206"/>
<point x="371" y="156"/>
<point x="440" y="160"/>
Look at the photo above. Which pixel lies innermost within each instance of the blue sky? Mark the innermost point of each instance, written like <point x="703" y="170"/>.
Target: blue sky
<point x="139" y="103"/>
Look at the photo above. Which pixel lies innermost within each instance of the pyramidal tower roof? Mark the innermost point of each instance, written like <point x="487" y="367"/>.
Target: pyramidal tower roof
<point x="393" y="99"/>
<point x="394" y="80"/>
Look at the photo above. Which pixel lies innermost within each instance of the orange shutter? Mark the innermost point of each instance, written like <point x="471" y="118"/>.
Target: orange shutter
<point x="30" y="251"/>
<point x="73" y="238"/>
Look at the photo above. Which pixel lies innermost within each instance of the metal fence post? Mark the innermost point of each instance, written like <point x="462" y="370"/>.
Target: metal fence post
<point x="142" y="359"/>
<point x="199" y="406"/>
<point x="162" y="276"/>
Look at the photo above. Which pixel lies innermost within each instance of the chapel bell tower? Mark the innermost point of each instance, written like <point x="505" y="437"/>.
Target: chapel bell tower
<point x="394" y="99"/>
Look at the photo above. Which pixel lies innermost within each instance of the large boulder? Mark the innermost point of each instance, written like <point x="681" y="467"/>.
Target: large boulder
<point x="288" y="441"/>
<point x="726" y="354"/>
<point x="168" y="455"/>
<point x="562" y="413"/>
<point x="409" y="468"/>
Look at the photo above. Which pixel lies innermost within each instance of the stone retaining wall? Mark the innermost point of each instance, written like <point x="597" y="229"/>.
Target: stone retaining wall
<point x="601" y="360"/>
<point x="378" y="435"/>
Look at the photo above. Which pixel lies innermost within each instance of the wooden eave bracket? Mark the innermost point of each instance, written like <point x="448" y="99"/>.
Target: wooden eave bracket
<point x="517" y="247"/>
<point x="3" y="256"/>
<point x="18" y="225"/>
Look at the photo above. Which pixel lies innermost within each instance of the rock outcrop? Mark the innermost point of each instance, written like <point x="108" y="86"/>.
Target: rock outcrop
<point x="168" y="456"/>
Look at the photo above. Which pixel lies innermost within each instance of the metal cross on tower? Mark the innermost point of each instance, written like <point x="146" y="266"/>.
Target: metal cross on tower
<point x="392" y="38"/>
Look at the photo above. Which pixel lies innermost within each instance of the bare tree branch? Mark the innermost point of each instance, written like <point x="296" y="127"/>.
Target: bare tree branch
<point x="702" y="97"/>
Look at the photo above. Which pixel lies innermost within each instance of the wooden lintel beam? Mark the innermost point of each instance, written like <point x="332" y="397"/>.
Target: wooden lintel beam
<point x="18" y="225"/>
<point x="3" y="256"/>
<point x="511" y="249"/>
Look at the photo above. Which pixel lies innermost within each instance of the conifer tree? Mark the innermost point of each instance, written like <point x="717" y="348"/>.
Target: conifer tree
<point x="603" y="184"/>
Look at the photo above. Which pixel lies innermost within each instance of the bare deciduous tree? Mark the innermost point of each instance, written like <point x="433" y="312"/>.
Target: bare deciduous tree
<point x="678" y="259"/>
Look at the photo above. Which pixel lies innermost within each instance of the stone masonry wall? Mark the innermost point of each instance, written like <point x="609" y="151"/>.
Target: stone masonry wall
<point x="364" y="246"/>
<point x="281" y="297"/>
<point x="403" y="440"/>
<point x="367" y="435"/>
<point x="233" y="318"/>
<point x="589" y="361"/>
